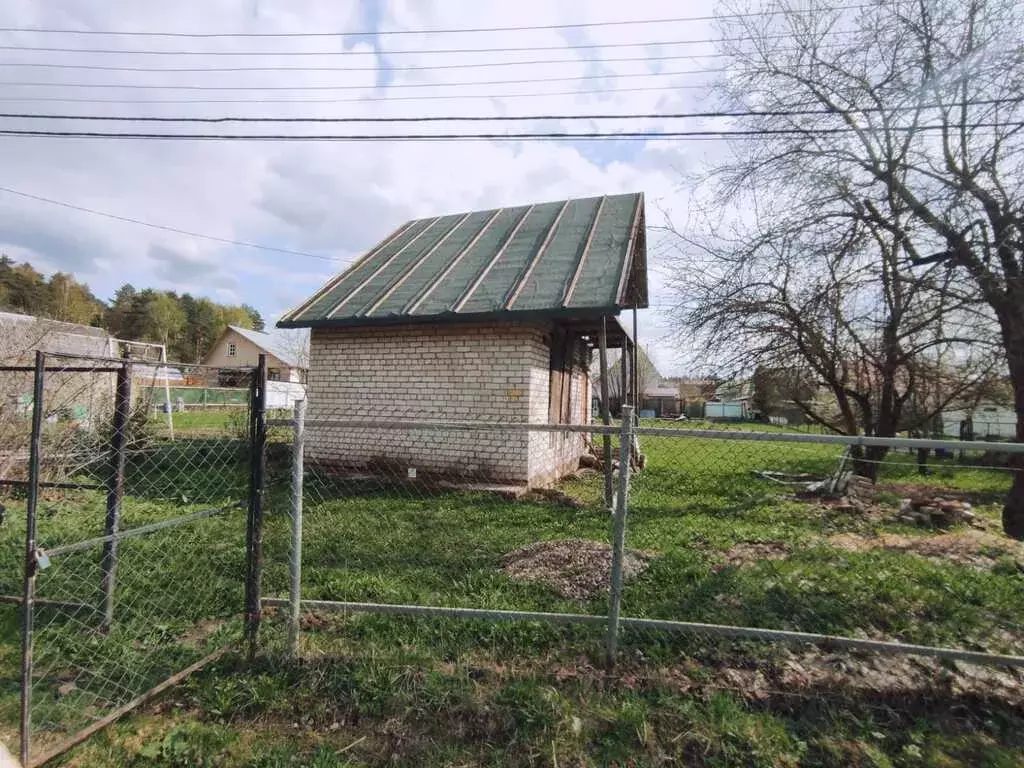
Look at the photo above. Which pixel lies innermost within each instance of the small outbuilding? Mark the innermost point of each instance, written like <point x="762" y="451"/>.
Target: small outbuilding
<point x="487" y="316"/>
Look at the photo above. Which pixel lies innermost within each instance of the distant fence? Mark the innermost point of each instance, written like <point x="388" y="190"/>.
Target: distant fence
<point x="280" y="394"/>
<point x="199" y="397"/>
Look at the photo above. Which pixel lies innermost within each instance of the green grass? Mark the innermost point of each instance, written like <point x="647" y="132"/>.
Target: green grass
<point x="379" y="689"/>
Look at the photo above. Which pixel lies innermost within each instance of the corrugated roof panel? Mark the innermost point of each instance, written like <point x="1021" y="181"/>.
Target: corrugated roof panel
<point x="554" y="267"/>
<point x="443" y="296"/>
<point x="568" y="257"/>
<point x="426" y="273"/>
<point x="328" y="300"/>
<point x="360" y="300"/>
<point x="598" y="283"/>
<point x="493" y="292"/>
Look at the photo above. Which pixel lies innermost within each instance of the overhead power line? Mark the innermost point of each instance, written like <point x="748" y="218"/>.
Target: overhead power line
<point x="552" y="135"/>
<point x="448" y="31"/>
<point x="356" y="100"/>
<point x="164" y="227"/>
<point x="375" y="68"/>
<point x="446" y="51"/>
<point x="402" y="52"/>
<point x="796" y="112"/>
<point x="457" y="84"/>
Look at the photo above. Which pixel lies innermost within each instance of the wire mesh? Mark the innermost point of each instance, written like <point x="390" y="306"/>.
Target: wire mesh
<point x="140" y="540"/>
<point x="401" y="511"/>
<point x="896" y="545"/>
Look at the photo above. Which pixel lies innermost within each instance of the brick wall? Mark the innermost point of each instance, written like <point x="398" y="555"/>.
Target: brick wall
<point x="483" y="372"/>
<point x="492" y="373"/>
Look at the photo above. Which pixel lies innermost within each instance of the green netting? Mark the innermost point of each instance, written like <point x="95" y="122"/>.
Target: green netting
<point x="426" y="273"/>
<point x="599" y="276"/>
<point x="368" y="295"/>
<point x="444" y="296"/>
<point x="556" y="264"/>
<point x="200" y="396"/>
<point x="510" y="266"/>
<point x="319" y="309"/>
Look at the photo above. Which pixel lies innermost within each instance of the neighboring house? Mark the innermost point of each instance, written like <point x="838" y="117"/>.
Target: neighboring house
<point x="238" y="350"/>
<point x="662" y="398"/>
<point x="987" y="420"/>
<point x="487" y="316"/>
<point x="731" y="401"/>
<point x="241" y="348"/>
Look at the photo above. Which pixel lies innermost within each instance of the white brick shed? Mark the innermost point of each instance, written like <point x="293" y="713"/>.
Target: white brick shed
<point x="488" y="316"/>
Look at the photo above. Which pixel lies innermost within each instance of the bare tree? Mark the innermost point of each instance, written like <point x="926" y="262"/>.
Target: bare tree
<point x="817" y="304"/>
<point x="646" y="376"/>
<point x="906" y="118"/>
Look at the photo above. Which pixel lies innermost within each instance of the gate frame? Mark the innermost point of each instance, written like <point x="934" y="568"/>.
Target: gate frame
<point x="34" y="556"/>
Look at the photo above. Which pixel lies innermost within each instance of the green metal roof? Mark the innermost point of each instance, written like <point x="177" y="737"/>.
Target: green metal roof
<point x="582" y="257"/>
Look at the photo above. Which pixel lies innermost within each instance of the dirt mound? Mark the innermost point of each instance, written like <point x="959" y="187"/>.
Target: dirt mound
<point x="574" y="568"/>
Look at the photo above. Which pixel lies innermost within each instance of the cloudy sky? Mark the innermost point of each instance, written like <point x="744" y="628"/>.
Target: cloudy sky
<point x="329" y="199"/>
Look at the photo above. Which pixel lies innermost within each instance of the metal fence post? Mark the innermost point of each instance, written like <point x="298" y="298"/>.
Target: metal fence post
<point x="254" y="522"/>
<point x="295" y="594"/>
<point x="619" y="535"/>
<point x="115" y="488"/>
<point x="28" y="597"/>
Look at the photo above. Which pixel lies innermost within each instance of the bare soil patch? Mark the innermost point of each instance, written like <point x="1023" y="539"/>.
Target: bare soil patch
<point x="978" y="549"/>
<point x="574" y="568"/>
<point x="754" y="551"/>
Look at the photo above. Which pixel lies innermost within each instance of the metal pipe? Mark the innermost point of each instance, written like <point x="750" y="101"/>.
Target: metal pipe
<point x="721" y="630"/>
<point x="59" y="368"/>
<point x="298" y="446"/>
<point x="65" y="486"/>
<point x="716" y="434"/>
<point x="29" y="591"/>
<point x="254" y="522"/>
<point x="796" y="437"/>
<point x="20" y="600"/>
<point x="142" y="530"/>
<point x="120" y="712"/>
<point x="431" y="610"/>
<point x="167" y="392"/>
<point x="453" y="426"/>
<point x="606" y="416"/>
<point x="115" y="490"/>
<point x="828" y="641"/>
<point x="619" y="536"/>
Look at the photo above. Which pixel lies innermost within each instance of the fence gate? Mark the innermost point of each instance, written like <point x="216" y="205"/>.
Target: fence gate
<point x="133" y="548"/>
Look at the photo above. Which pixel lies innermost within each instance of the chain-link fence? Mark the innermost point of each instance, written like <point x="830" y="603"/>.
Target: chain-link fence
<point x="772" y="566"/>
<point x="131" y="539"/>
<point x="552" y="568"/>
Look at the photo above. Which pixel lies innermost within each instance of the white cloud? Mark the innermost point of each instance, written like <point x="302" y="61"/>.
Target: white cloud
<point x="332" y="198"/>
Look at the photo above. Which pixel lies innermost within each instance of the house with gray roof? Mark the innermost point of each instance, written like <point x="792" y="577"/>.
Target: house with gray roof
<point x="240" y="348"/>
<point x="486" y="316"/>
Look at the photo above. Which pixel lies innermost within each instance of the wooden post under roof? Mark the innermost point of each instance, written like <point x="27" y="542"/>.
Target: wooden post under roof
<point x="635" y="370"/>
<point x="606" y="416"/>
<point x="625" y="390"/>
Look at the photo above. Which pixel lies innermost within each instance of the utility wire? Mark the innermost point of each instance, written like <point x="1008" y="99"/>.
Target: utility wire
<point x="376" y="68"/>
<point x="553" y="135"/>
<point x="457" y="84"/>
<point x="446" y="51"/>
<point x="375" y="53"/>
<point x="357" y="100"/>
<point x="508" y="118"/>
<point x="164" y="227"/>
<point x="449" y="31"/>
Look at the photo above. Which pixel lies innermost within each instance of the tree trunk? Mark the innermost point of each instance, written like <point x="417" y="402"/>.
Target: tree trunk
<point x="1013" y="511"/>
<point x="866" y="460"/>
